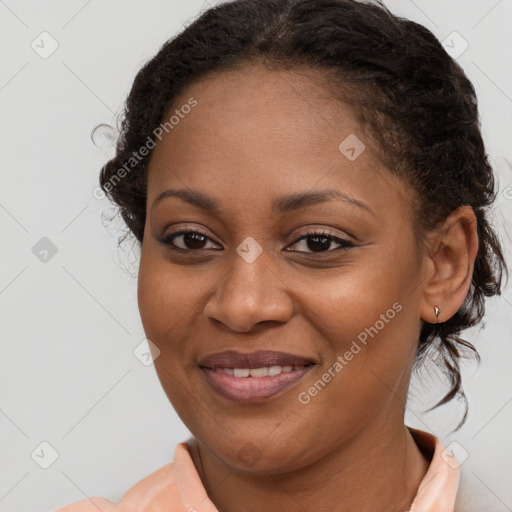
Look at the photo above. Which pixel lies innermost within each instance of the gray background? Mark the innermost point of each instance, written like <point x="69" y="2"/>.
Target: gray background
<point x="69" y="321"/>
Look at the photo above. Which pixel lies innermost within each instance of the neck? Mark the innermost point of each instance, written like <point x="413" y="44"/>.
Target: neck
<point x="380" y="469"/>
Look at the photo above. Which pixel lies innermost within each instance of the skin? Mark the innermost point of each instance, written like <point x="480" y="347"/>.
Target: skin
<point x="257" y="134"/>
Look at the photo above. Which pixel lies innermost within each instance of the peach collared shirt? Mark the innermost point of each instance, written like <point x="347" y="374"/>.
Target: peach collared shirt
<point x="177" y="487"/>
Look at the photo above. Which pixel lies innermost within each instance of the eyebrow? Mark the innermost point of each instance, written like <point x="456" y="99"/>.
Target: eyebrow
<point x="283" y="204"/>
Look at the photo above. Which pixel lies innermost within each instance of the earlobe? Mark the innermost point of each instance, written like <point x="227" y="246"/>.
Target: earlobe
<point x="452" y="251"/>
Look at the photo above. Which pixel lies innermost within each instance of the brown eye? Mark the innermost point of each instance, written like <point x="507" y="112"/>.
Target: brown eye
<point x="320" y="242"/>
<point x="191" y="240"/>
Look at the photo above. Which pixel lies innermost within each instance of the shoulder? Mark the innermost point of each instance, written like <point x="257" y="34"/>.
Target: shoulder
<point x="153" y="492"/>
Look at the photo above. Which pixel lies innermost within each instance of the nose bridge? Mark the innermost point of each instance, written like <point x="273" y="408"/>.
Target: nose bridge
<point x="251" y="291"/>
<point x="251" y="270"/>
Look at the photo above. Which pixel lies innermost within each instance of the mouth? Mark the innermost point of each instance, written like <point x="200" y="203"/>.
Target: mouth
<point x="255" y="376"/>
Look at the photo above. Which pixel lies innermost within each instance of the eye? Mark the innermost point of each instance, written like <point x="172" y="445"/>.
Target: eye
<point x="191" y="240"/>
<point x="319" y="241"/>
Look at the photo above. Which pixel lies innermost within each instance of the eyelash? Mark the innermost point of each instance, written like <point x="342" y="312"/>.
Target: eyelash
<point x="345" y="244"/>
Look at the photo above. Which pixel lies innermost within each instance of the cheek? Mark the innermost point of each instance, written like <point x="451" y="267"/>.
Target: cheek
<point x="367" y="313"/>
<point x="370" y="340"/>
<point x="346" y="302"/>
<point x="168" y="296"/>
<point x="169" y="305"/>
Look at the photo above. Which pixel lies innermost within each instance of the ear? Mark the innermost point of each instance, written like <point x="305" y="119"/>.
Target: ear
<point x="448" y="265"/>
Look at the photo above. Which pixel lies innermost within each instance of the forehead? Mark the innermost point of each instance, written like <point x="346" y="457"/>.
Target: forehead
<point x="263" y="131"/>
<point x="256" y="109"/>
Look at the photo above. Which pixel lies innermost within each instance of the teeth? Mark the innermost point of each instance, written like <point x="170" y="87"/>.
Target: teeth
<point x="258" y="372"/>
<point x="274" y="370"/>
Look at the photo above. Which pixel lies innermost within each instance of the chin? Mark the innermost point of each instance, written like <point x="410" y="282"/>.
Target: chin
<point x="246" y="456"/>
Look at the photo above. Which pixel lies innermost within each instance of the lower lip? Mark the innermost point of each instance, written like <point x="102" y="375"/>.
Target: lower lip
<point x="252" y="389"/>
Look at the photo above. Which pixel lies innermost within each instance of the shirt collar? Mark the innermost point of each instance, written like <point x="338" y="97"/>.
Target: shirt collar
<point x="438" y="489"/>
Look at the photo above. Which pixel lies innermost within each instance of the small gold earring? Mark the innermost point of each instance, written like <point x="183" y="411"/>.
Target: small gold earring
<point x="436" y="311"/>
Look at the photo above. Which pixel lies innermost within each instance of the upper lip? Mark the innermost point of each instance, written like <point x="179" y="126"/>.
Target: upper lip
<point x="258" y="359"/>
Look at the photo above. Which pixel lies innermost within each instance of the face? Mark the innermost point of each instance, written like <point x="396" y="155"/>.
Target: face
<point x="332" y="280"/>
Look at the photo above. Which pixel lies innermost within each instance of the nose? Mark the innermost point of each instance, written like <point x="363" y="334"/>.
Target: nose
<point x="250" y="294"/>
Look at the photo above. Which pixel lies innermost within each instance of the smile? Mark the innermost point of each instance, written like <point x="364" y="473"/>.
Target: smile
<point x="252" y="385"/>
<point x="264" y="371"/>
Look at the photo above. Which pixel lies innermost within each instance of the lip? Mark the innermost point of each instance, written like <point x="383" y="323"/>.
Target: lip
<point x="234" y="359"/>
<point x="253" y="389"/>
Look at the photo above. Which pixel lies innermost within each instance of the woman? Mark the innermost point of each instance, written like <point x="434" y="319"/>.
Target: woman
<point x="309" y="188"/>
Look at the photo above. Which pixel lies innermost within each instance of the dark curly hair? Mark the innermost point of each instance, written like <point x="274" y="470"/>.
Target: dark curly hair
<point x="419" y="106"/>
